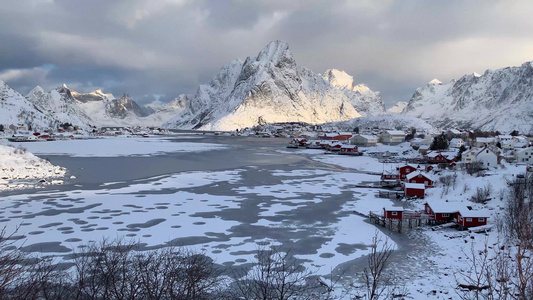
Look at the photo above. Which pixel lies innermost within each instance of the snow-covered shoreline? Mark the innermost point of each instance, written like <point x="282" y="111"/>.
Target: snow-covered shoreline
<point x="21" y="169"/>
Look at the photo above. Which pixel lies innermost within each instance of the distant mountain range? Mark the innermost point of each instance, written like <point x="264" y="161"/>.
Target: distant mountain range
<point x="42" y="110"/>
<point x="272" y="87"/>
<point x="497" y="100"/>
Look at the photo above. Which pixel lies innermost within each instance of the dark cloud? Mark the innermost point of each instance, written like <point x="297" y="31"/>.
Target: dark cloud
<point x="159" y="49"/>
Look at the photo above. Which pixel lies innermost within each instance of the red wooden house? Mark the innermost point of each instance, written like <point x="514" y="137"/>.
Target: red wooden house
<point x="435" y="157"/>
<point x="407" y="169"/>
<point x="418" y="177"/>
<point x="349" y="149"/>
<point x="386" y="176"/>
<point x="343" y="136"/>
<point x="414" y="189"/>
<point x="471" y="218"/>
<point x="393" y="212"/>
<point x="444" y="212"/>
<point x="332" y="145"/>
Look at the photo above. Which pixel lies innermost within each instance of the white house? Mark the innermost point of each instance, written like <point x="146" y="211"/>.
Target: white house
<point x="456" y="143"/>
<point x="469" y="156"/>
<point x="487" y="157"/>
<point x="365" y="140"/>
<point x="524" y="155"/>
<point x="392" y="137"/>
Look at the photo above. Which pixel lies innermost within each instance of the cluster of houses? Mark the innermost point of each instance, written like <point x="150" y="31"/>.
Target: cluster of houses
<point x="487" y="151"/>
<point x="439" y="212"/>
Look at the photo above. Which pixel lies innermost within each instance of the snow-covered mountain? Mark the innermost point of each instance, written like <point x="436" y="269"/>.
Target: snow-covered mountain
<point x="98" y="109"/>
<point x="363" y="99"/>
<point x="397" y="108"/>
<point x="124" y="107"/>
<point x="497" y="100"/>
<point x="15" y="109"/>
<point x="268" y="88"/>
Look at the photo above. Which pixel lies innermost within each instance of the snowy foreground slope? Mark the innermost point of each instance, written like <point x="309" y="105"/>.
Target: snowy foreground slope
<point x="273" y="88"/>
<point x="19" y="168"/>
<point x="497" y="100"/>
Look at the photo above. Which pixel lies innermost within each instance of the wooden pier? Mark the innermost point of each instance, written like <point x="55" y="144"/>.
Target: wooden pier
<point x="407" y="221"/>
<point x="391" y="194"/>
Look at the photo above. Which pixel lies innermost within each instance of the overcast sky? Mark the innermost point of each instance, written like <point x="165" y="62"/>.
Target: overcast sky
<point x="160" y="49"/>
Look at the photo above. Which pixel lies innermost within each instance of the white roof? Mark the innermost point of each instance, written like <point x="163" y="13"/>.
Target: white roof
<point x="329" y="134"/>
<point x="485" y="140"/>
<point x="393" y="208"/>
<point x="433" y="154"/>
<point x="466" y="213"/>
<point x="456" y="140"/>
<point x="446" y="207"/>
<point x="395" y="132"/>
<point x="523" y="150"/>
<point x="520" y="144"/>
<point x="349" y="146"/>
<point x="418" y="186"/>
<point x="414" y="174"/>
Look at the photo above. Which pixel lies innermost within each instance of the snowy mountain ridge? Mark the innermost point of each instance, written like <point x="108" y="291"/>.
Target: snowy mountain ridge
<point x="270" y="88"/>
<point x="15" y="109"/>
<point x="497" y="100"/>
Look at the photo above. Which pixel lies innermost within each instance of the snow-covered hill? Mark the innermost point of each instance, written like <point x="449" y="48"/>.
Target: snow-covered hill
<point x="272" y="88"/>
<point x="15" y="109"/>
<point x="397" y="108"/>
<point x="497" y="100"/>
<point x="19" y="168"/>
<point x="380" y="122"/>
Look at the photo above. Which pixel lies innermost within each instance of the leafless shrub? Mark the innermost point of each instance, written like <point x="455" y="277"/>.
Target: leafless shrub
<point x="114" y="270"/>
<point x="11" y="267"/>
<point x="474" y="168"/>
<point x="508" y="272"/>
<point x="376" y="280"/>
<point x="446" y="182"/>
<point x="276" y="275"/>
<point x="482" y="194"/>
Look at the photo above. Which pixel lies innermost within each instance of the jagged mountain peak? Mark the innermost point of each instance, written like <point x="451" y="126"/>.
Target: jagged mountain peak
<point x="339" y="79"/>
<point x="274" y="52"/>
<point x="435" y="82"/>
<point x="270" y="87"/>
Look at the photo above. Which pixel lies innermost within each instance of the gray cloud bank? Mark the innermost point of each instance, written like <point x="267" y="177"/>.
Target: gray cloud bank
<point x="164" y="48"/>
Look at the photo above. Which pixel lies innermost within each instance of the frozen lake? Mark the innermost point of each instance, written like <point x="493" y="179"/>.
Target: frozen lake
<point x="225" y="196"/>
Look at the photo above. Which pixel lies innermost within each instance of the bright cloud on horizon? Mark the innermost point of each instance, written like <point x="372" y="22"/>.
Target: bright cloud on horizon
<point x="147" y="48"/>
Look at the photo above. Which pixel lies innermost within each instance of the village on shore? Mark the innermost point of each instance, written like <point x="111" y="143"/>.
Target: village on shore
<point x="416" y="170"/>
<point x="432" y="160"/>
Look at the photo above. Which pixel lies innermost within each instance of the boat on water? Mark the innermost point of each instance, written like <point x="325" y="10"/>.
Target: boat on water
<point x="25" y="139"/>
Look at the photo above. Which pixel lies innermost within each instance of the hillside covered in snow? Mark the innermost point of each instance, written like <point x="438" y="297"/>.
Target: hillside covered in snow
<point x="270" y="88"/>
<point x="497" y="100"/>
<point x="380" y="122"/>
